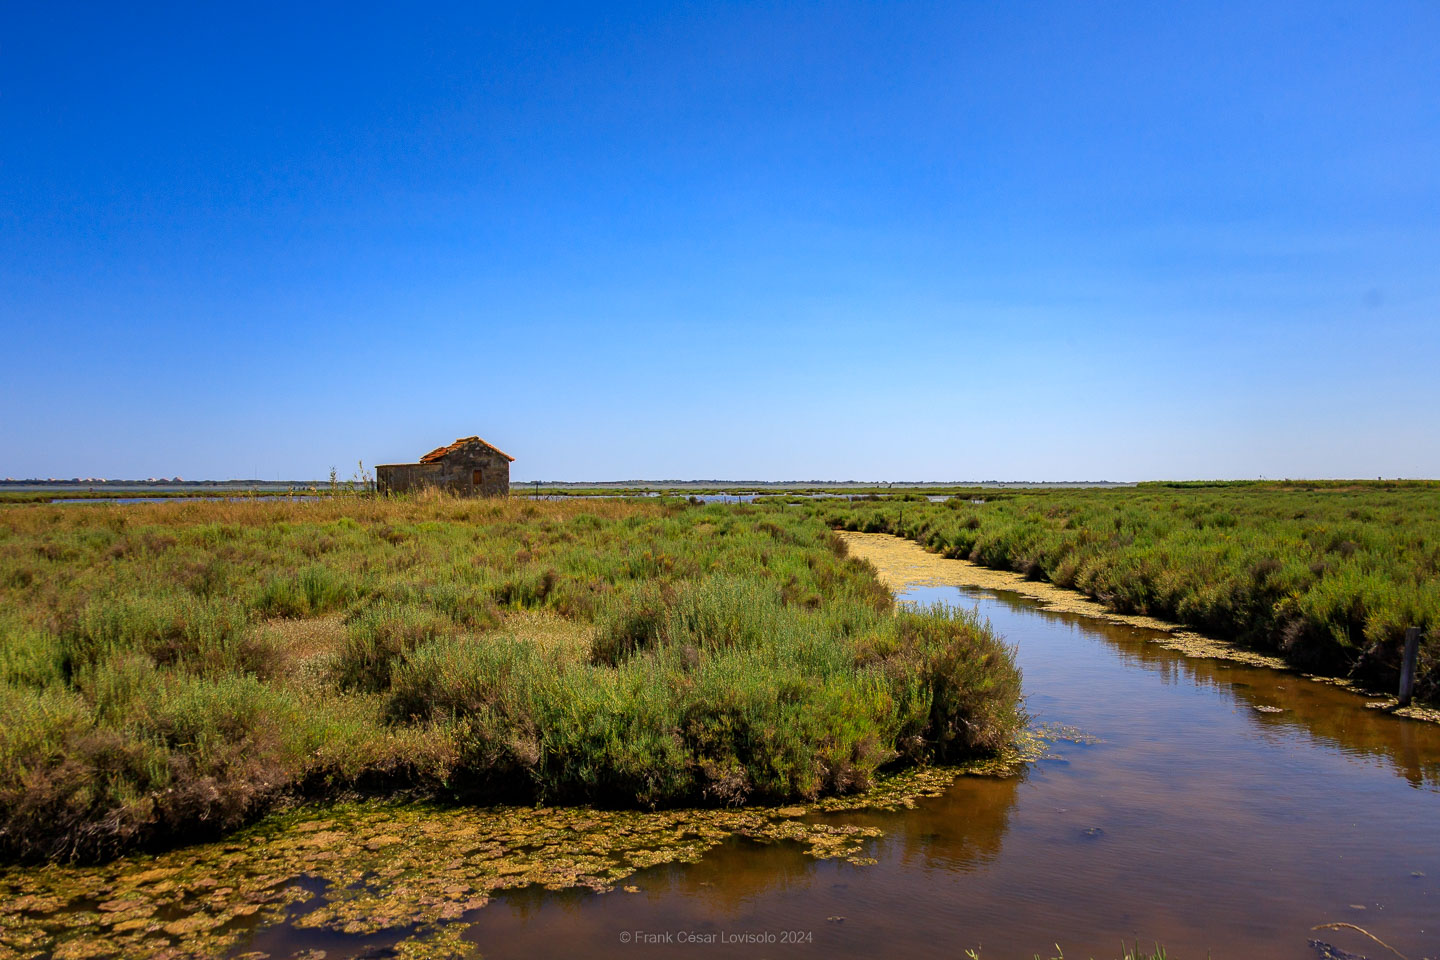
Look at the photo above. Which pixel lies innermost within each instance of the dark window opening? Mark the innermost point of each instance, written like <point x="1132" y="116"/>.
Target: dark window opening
<point x="475" y="478"/>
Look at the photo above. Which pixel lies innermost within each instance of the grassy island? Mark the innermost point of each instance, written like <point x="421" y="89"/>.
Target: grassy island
<point x="172" y="671"/>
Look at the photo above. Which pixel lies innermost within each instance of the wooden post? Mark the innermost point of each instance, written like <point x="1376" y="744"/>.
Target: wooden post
<point x="1407" y="665"/>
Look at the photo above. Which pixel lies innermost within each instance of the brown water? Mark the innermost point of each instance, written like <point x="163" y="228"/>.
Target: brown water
<point x="1197" y="821"/>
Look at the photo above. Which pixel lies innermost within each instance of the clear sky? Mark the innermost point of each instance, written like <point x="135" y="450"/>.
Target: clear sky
<point x="763" y="241"/>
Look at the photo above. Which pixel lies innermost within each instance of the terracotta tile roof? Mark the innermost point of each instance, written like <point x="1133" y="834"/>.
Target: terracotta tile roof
<point x="440" y="453"/>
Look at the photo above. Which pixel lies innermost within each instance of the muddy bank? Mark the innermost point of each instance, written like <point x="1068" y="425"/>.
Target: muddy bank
<point x="903" y="564"/>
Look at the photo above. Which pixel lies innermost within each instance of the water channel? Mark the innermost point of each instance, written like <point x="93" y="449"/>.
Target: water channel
<point x="1220" y="809"/>
<point x="1224" y="811"/>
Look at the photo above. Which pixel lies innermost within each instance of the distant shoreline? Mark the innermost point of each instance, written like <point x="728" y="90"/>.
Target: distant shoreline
<point x="189" y="485"/>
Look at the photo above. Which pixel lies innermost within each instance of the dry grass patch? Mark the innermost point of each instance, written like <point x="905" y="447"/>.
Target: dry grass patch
<point x="306" y="650"/>
<point x="550" y="631"/>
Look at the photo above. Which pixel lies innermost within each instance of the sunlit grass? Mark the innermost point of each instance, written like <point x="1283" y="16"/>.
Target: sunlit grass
<point x="176" y="669"/>
<point x="1329" y="574"/>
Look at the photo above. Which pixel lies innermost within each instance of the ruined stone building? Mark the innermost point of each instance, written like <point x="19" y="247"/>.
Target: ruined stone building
<point x="469" y="467"/>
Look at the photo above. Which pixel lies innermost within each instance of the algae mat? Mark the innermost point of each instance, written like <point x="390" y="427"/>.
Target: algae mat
<point x="404" y="877"/>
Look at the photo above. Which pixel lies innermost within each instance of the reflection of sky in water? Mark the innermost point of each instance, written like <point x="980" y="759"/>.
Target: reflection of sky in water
<point x="1329" y="716"/>
<point x="1196" y="821"/>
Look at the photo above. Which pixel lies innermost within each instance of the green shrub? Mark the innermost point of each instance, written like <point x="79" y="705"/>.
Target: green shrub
<point x="629" y="623"/>
<point x="177" y="676"/>
<point x="174" y="630"/>
<point x="379" y="635"/>
<point x="1328" y="573"/>
<point x="717" y="692"/>
<point x="314" y="591"/>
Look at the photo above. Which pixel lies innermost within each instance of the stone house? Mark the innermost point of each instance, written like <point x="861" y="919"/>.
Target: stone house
<point x="469" y="467"/>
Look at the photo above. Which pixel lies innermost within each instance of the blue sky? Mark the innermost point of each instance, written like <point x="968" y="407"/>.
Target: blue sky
<point x="786" y="241"/>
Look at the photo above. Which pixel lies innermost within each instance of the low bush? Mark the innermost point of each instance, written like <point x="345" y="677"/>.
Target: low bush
<point x="178" y="669"/>
<point x="377" y="636"/>
<point x="722" y="693"/>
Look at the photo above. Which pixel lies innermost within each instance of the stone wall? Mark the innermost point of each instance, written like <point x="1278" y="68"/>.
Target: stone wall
<point x="408" y="477"/>
<point x="454" y="474"/>
<point x="461" y="465"/>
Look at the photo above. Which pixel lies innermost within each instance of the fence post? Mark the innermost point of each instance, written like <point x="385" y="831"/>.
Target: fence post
<point x="1407" y="665"/>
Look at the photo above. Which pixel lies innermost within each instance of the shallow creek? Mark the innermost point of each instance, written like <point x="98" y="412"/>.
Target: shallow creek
<point x="1225" y="810"/>
<point x="1218" y="807"/>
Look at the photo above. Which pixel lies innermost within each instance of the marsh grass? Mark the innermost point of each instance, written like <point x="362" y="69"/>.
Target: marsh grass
<point x="174" y="670"/>
<point x="1328" y="573"/>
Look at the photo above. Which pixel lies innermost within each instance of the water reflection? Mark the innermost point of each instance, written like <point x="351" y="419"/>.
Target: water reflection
<point x="1197" y="821"/>
<point x="744" y="887"/>
<point x="960" y="831"/>
<point x="1328" y="715"/>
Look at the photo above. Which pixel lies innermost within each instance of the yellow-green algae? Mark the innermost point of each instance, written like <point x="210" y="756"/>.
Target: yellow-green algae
<point x="408" y="871"/>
